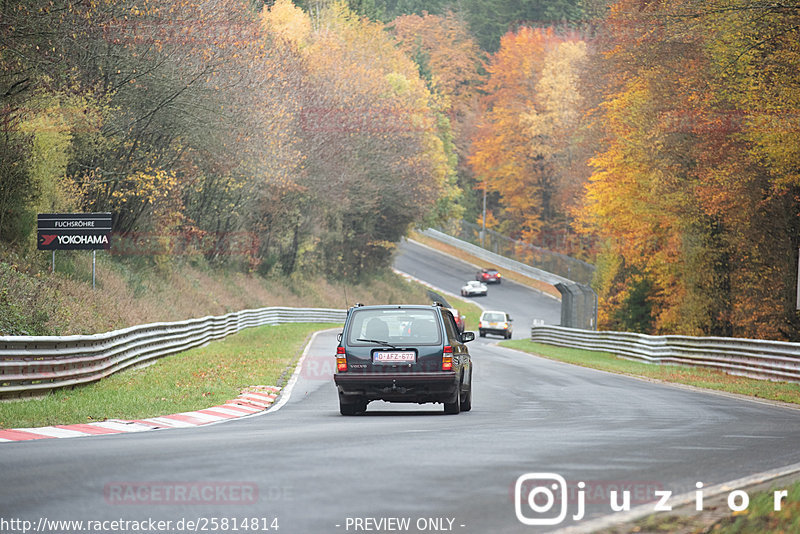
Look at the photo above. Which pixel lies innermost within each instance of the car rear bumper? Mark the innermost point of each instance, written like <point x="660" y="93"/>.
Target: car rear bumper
<point x="398" y="387"/>
<point x="495" y="331"/>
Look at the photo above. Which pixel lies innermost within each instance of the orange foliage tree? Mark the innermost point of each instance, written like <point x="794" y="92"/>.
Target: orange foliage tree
<point x="521" y="148"/>
<point x="310" y="133"/>
<point x="695" y="191"/>
<point x="374" y="153"/>
<point x="448" y="59"/>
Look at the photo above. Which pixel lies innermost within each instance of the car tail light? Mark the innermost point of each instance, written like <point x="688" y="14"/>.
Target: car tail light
<point x="341" y="360"/>
<point x="447" y="358"/>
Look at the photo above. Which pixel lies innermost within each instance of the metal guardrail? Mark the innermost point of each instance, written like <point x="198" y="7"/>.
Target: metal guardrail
<point x="527" y="253"/>
<point x="772" y="360"/>
<point x="32" y="365"/>
<point x="496" y="259"/>
<point x="578" y="301"/>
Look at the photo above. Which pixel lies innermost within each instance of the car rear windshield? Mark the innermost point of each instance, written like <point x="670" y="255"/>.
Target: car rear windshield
<point x="394" y="326"/>
<point x="494" y="317"/>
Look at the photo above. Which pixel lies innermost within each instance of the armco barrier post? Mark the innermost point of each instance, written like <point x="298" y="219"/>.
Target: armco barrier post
<point x="568" y="311"/>
<point x="578" y="306"/>
<point x="589" y="316"/>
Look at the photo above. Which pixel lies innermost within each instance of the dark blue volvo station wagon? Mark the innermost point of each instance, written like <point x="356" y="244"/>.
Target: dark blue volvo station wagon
<point x="403" y="353"/>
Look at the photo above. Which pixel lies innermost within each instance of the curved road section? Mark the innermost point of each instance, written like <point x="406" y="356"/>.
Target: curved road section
<point x="444" y="272"/>
<point x="305" y="469"/>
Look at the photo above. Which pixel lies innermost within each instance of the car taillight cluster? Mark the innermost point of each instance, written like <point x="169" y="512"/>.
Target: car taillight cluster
<point x="447" y="358"/>
<point x="341" y="360"/>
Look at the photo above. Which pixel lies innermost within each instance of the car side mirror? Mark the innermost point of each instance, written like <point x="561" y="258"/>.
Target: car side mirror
<point x="339" y="337"/>
<point x="510" y="320"/>
<point x="467" y="337"/>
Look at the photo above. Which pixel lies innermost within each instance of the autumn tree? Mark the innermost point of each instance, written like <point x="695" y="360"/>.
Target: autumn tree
<point x="695" y="190"/>
<point x="42" y="106"/>
<point x="449" y="60"/>
<point x="490" y="20"/>
<point x="374" y="158"/>
<point x="524" y="147"/>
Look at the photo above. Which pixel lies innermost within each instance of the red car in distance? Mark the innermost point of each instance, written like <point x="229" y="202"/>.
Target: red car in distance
<point x="489" y="276"/>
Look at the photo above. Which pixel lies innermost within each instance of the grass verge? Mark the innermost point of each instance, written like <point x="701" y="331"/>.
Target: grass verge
<point x="760" y="516"/>
<point x="692" y="376"/>
<point x="130" y="291"/>
<point x="187" y="381"/>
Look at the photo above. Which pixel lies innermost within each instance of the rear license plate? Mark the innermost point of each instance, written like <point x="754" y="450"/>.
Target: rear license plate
<point x="394" y="357"/>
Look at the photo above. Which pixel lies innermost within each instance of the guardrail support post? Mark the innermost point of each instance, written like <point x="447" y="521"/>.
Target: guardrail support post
<point x="589" y="317"/>
<point x="578" y="306"/>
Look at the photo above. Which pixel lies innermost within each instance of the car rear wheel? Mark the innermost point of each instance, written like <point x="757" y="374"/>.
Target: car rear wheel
<point x="452" y="408"/>
<point x="352" y="408"/>
<point x="466" y="402"/>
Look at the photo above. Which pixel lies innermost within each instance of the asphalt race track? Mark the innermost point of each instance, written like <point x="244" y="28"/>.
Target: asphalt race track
<point x="406" y="468"/>
<point x="522" y="303"/>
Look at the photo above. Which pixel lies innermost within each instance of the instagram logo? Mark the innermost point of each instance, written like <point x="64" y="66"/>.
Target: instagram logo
<point x="538" y="496"/>
<point x="540" y="492"/>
